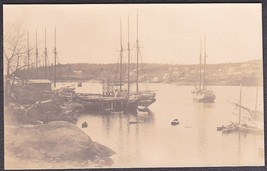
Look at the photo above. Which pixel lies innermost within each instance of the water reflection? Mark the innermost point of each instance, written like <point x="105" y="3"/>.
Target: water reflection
<point x="107" y="124"/>
<point x="120" y="138"/>
<point x="153" y="141"/>
<point x="148" y="119"/>
<point x="246" y="144"/>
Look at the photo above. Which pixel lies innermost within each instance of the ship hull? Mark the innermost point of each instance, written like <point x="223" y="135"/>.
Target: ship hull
<point x="126" y="104"/>
<point x="204" y="97"/>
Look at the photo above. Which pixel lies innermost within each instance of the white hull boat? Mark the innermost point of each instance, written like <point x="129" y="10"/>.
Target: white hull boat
<point x="142" y="111"/>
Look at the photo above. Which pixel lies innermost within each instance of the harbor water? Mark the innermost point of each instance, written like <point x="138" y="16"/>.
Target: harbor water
<point x="194" y="142"/>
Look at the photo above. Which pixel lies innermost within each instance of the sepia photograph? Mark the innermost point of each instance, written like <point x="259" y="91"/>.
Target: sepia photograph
<point x="133" y="85"/>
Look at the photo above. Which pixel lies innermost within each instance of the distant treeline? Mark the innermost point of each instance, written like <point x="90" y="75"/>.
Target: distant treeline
<point x="246" y="73"/>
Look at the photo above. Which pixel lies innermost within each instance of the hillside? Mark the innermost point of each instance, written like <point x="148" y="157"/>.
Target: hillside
<point x="247" y="73"/>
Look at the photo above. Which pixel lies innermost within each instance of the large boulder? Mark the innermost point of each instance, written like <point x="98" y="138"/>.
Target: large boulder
<point x="57" y="140"/>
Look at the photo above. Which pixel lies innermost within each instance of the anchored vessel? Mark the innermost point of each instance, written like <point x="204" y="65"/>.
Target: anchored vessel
<point x="249" y="121"/>
<point x="142" y="111"/>
<point x="137" y="98"/>
<point x="115" y="98"/>
<point x="201" y="93"/>
<point x="114" y="95"/>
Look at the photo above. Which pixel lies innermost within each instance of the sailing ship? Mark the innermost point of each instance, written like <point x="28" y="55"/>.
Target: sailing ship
<point x="249" y="121"/>
<point x="201" y="93"/>
<point x="252" y="121"/>
<point x="252" y="113"/>
<point x="114" y="94"/>
<point x="137" y="98"/>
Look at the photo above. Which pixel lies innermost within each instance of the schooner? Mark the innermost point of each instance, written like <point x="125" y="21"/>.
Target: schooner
<point x="115" y="95"/>
<point x="201" y="93"/>
<point x="134" y="98"/>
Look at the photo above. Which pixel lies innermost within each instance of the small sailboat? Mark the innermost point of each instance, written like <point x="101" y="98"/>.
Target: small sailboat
<point x="201" y="93"/>
<point x="253" y="113"/>
<point x="247" y="124"/>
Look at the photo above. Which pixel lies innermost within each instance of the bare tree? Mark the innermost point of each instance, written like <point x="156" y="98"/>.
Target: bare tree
<point x="15" y="52"/>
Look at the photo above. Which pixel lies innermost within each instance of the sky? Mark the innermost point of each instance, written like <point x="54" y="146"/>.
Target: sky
<point x="168" y="33"/>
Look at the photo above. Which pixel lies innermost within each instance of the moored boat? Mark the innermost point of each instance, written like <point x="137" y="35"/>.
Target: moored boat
<point x="142" y="111"/>
<point x="201" y="93"/>
<point x="204" y="95"/>
<point x="175" y="122"/>
<point x="114" y="94"/>
<point x="248" y="128"/>
<point x="227" y="129"/>
<point x="116" y="88"/>
<point x="247" y="123"/>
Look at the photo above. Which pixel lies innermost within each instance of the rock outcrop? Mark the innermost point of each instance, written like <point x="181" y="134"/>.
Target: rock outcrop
<point x="55" y="141"/>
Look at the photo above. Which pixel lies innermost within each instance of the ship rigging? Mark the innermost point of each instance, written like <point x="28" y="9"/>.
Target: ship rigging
<point x="201" y="93"/>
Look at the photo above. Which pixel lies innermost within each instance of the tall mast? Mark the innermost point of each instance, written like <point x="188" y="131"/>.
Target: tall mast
<point x="204" y="65"/>
<point x="200" y="63"/>
<point x="128" y="93"/>
<point x="45" y="54"/>
<point x="55" y="56"/>
<point x="28" y="53"/>
<point x="256" y="99"/>
<point x="121" y="51"/>
<point x="137" y="57"/>
<point x="36" y="63"/>
<point x="239" y="117"/>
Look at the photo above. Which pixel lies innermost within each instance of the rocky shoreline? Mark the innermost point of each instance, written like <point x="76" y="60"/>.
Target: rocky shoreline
<point x="42" y="134"/>
<point x="52" y="145"/>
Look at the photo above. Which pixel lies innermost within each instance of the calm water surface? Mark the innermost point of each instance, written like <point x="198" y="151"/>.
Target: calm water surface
<point x="194" y="142"/>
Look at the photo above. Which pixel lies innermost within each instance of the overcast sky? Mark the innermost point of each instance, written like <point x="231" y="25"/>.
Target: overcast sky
<point x="167" y="33"/>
